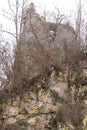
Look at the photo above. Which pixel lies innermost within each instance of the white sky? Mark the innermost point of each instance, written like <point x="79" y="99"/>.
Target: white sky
<point x="65" y="7"/>
<point x="49" y="5"/>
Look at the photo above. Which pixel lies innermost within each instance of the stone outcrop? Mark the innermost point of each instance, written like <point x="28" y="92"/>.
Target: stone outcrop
<point x="37" y="106"/>
<point x="36" y="111"/>
<point x="41" y="46"/>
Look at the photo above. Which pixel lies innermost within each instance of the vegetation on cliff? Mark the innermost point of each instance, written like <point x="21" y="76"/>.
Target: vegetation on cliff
<point x="48" y="66"/>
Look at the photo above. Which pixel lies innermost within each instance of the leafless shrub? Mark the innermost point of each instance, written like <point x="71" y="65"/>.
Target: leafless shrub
<point x="72" y="114"/>
<point x="42" y="46"/>
<point x="6" y="62"/>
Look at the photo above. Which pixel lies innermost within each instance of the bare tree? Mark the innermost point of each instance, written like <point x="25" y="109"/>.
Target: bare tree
<point x="42" y="48"/>
<point x="15" y="16"/>
<point x="6" y="64"/>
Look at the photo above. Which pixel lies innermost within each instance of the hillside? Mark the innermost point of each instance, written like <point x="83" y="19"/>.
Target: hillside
<point x="48" y="83"/>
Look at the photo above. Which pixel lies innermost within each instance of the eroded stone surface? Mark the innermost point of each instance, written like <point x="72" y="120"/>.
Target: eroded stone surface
<point x="32" y="121"/>
<point x="11" y="120"/>
<point x="13" y="111"/>
<point x="35" y="113"/>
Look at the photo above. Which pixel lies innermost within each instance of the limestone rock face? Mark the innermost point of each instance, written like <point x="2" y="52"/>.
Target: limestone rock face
<point x="37" y="37"/>
<point x="11" y="120"/>
<point x="21" y="117"/>
<point x="32" y="121"/>
<point x="39" y="44"/>
<point x="16" y="102"/>
<point x="13" y="111"/>
<point x="60" y="88"/>
<point x="35" y="112"/>
<point x="31" y="107"/>
<point x="10" y="111"/>
<point x="32" y="113"/>
<point x="45" y="96"/>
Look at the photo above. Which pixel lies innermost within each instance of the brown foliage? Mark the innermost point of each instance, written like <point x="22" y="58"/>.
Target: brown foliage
<point x="39" y="50"/>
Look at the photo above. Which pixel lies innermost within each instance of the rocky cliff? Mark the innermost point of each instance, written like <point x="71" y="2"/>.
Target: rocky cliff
<point x="45" y="90"/>
<point x="40" y="109"/>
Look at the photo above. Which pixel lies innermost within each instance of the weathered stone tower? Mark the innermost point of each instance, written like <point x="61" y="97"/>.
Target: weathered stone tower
<point x="43" y="45"/>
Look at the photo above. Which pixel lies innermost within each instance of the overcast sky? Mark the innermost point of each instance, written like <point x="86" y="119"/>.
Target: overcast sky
<point x="49" y="4"/>
<point x="65" y="6"/>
